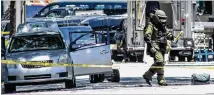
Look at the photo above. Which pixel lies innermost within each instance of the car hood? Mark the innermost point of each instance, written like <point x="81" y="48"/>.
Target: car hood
<point x="36" y="55"/>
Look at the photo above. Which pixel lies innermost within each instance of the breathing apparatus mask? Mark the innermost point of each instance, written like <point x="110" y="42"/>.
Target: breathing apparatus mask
<point x="159" y="18"/>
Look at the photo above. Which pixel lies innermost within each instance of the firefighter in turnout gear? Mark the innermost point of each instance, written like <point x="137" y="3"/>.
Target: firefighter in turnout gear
<point x="156" y="36"/>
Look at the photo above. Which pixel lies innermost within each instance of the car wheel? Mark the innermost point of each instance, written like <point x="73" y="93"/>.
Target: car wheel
<point x="101" y="77"/>
<point x="114" y="55"/>
<point x="94" y="78"/>
<point x="115" y="76"/>
<point x="8" y="88"/>
<point x="70" y="83"/>
<point x="189" y="58"/>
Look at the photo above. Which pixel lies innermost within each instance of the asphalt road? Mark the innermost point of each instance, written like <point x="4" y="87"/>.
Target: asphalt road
<point x="131" y="82"/>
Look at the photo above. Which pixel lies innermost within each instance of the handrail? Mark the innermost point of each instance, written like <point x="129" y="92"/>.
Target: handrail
<point x="141" y="20"/>
<point x="173" y="13"/>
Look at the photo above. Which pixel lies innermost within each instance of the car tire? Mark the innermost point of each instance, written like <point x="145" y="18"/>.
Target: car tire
<point x="70" y="83"/>
<point x="101" y="77"/>
<point x="94" y="78"/>
<point x="189" y="58"/>
<point x="115" y="76"/>
<point x="8" y="88"/>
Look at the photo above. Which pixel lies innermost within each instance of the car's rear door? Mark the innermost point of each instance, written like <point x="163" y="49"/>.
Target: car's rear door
<point x="89" y="48"/>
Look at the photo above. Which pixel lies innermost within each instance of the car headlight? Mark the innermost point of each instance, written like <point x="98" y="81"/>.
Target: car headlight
<point x="11" y="66"/>
<point x="189" y="43"/>
<point x="63" y="58"/>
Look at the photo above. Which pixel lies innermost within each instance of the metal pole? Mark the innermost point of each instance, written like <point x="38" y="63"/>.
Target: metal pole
<point x="213" y="8"/>
<point x="129" y="22"/>
<point x="189" y="19"/>
<point x="193" y="13"/>
<point x="23" y="11"/>
<point x="18" y="13"/>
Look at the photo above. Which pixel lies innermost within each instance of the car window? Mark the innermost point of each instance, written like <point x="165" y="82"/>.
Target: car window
<point x="54" y="7"/>
<point x="117" y="7"/>
<point x="45" y="11"/>
<point x="102" y="7"/>
<point x="84" y="7"/>
<point x="99" y="7"/>
<point x="36" y="42"/>
<point x="111" y="9"/>
<point x="57" y="13"/>
<point x="79" y="7"/>
<point x="86" y="39"/>
<point x="71" y="12"/>
<point x="71" y="6"/>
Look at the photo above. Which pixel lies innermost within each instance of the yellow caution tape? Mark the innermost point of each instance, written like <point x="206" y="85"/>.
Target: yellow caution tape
<point x="5" y="33"/>
<point x="46" y="64"/>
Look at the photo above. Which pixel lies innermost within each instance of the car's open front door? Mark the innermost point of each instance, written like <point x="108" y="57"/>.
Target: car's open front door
<point x="89" y="48"/>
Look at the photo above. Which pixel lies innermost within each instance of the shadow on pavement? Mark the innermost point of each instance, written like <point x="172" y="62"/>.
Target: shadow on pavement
<point x="126" y="82"/>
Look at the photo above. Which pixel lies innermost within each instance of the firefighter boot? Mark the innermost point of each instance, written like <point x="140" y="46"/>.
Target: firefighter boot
<point x="148" y="77"/>
<point x="161" y="80"/>
<point x="162" y="83"/>
<point x="147" y="80"/>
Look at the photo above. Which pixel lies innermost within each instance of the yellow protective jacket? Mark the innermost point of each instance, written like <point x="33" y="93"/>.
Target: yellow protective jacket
<point x="153" y="36"/>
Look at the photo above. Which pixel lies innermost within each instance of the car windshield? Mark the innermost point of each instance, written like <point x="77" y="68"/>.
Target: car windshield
<point x="36" y="42"/>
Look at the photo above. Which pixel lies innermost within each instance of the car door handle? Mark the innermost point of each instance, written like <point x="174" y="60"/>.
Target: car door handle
<point x="104" y="52"/>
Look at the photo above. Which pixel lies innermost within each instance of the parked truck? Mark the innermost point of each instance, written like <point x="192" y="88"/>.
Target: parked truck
<point x="182" y="16"/>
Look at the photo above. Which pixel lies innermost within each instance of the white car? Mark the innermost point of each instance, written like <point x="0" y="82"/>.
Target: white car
<point x="77" y="44"/>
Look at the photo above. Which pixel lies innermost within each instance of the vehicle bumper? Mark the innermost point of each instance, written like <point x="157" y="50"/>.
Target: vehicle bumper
<point x="37" y="81"/>
<point x="181" y="48"/>
<point x="22" y="75"/>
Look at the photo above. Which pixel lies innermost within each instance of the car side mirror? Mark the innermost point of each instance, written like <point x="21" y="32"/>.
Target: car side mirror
<point x="36" y="15"/>
<point x="73" y="47"/>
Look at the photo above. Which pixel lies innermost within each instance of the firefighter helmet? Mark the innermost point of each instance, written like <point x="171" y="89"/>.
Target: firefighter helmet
<point x="159" y="17"/>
